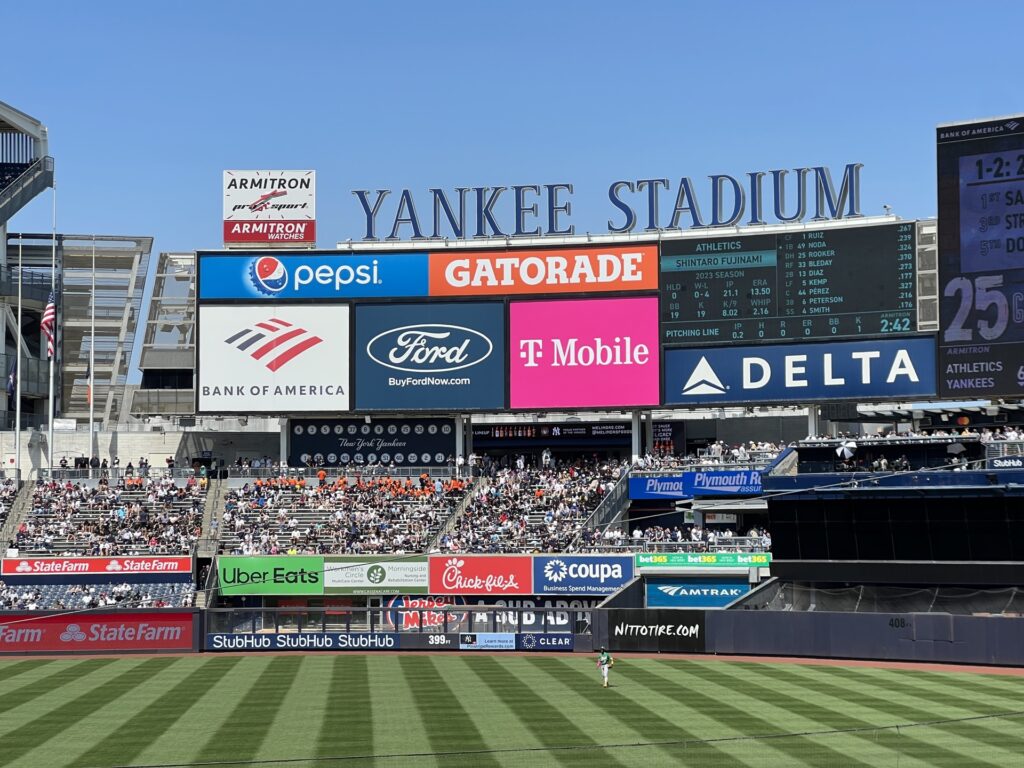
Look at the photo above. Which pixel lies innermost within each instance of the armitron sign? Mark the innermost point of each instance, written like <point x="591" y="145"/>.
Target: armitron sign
<point x="269" y="207"/>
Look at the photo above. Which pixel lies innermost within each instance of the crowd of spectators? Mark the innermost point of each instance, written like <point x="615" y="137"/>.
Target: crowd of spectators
<point x="8" y="490"/>
<point x="136" y="516"/>
<point x="59" y="597"/>
<point x="378" y="515"/>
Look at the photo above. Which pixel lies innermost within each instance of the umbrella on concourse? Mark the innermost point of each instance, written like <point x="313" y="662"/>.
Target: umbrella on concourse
<point x="846" y="450"/>
<point x="955" y="448"/>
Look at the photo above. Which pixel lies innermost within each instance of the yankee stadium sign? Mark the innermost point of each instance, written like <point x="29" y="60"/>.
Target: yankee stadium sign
<point x="534" y="210"/>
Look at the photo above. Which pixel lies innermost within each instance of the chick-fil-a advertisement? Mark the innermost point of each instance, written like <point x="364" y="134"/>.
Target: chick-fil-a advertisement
<point x="584" y="353"/>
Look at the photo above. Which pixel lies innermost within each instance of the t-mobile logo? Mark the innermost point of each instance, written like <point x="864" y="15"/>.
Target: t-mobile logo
<point x="576" y="353"/>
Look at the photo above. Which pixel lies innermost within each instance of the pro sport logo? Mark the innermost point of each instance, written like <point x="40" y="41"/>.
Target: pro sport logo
<point x="268" y="275"/>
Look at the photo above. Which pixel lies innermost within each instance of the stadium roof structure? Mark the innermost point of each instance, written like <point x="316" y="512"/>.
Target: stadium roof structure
<point x="26" y="168"/>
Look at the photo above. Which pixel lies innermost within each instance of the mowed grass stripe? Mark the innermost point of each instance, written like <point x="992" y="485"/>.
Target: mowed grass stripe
<point x="822" y="680"/>
<point x="244" y="728"/>
<point x="56" y="721"/>
<point x="537" y="717"/>
<point x="12" y="669"/>
<point x="62" y="675"/>
<point x="301" y="711"/>
<point x="347" y="725"/>
<point x="1003" y="689"/>
<point x="447" y="723"/>
<point x="397" y="721"/>
<point x="632" y="713"/>
<point x="136" y="733"/>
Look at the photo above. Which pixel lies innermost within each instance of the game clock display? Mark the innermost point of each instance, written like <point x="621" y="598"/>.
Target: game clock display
<point x="981" y="258"/>
<point x="814" y="284"/>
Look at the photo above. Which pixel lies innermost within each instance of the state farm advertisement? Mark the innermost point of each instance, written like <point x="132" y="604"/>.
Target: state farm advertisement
<point x="61" y="566"/>
<point x="86" y="632"/>
<point x="584" y="353"/>
<point x="606" y="268"/>
<point x="270" y="207"/>
<point x="481" y="575"/>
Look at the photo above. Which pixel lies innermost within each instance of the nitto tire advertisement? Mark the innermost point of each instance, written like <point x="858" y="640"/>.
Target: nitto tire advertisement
<point x="656" y="631"/>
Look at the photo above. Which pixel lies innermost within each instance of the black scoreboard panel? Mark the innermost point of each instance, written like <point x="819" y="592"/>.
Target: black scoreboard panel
<point x="813" y="284"/>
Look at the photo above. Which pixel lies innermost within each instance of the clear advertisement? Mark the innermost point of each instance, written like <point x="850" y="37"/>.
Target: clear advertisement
<point x="65" y="566"/>
<point x="278" y="277"/>
<point x="114" y="631"/>
<point x="703" y="560"/>
<point x="270" y="207"/>
<point x="533" y="641"/>
<point x="605" y="268"/>
<point x="581" y="575"/>
<point x="347" y="442"/>
<point x="375" y="576"/>
<point x="801" y="373"/>
<point x="430" y="356"/>
<point x="255" y="359"/>
<point x="694" y="593"/>
<point x="584" y="353"/>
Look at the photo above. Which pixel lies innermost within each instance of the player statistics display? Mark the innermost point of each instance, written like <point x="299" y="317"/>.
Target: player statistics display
<point x="981" y="258"/>
<point x="814" y="284"/>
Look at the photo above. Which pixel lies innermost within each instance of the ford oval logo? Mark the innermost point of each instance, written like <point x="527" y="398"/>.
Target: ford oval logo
<point x="429" y="348"/>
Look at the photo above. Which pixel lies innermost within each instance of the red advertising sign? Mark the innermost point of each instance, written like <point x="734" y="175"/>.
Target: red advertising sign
<point x="86" y="632"/>
<point x="481" y="575"/>
<point x="269" y="231"/>
<point x="113" y="566"/>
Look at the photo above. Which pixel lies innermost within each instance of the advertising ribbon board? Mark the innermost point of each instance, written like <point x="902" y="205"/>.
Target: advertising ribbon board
<point x="481" y="575"/>
<point x="271" y="575"/>
<point x="694" y="593"/>
<point x="703" y="560"/>
<point x="581" y="575"/>
<point x="120" y="631"/>
<point x="378" y="576"/>
<point x="65" y="566"/>
<point x="303" y="641"/>
<point x="659" y="631"/>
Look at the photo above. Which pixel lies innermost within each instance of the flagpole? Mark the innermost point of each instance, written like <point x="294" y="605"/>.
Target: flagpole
<point x="17" y="375"/>
<point x="92" y="348"/>
<point x="53" y="288"/>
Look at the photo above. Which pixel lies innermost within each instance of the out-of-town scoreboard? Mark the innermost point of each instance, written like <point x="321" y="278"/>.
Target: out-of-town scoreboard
<point x="815" y="284"/>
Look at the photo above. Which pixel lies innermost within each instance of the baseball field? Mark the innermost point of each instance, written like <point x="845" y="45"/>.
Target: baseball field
<point x="483" y="710"/>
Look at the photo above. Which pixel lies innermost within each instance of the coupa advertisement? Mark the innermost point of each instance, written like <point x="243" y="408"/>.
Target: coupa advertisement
<point x="584" y="353"/>
<point x="567" y="575"/>
<point x="120" y="631"/>
<point x="800" y="373"/>
<point x="261" y="277"/>
<point x="276" y="360"/>
<point x="430" y="356"/>
<point x="694" y="593"/>
<point x="343" y="442"/>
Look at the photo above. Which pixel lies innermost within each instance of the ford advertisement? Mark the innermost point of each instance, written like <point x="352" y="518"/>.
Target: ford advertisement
<point x="799" y="373"/>
<point x="581" y="575"/>
<point x="278" y="277"/>
<point x="430" y="356"/>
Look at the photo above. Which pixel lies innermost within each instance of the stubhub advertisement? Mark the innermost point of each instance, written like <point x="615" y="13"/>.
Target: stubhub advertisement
<point x="311" y="276"/>
<point x="584" y="353"/>
<point x="582" y="575"/>
<point x="430" y="356"/>
<point x="800" y="373"/>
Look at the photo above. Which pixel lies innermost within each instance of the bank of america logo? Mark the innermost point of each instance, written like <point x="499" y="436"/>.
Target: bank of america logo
<point x="275" y="341"/>
<point x="1012" y="125"/>
<point x="703" y="380"/>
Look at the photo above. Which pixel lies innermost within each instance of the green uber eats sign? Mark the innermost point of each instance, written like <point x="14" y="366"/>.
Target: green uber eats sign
<point x="271" y="575"/>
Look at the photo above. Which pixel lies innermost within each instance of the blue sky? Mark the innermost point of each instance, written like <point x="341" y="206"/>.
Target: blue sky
<point x="147" y="103"/>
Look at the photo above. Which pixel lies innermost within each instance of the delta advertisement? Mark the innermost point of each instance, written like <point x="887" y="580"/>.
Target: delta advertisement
<point x="270" y="207"/>
<point x="584" y="353"/>
<point x="694" y="593"/>
<point x="310" y="275"/>
<point x="319" y="575"/>
<point x="120" y="631"/>
<point x="568" y="575"/>
<point x="606" y="268"/>
<point x="255" y="359"/>
<point x="430" y="356"/>
<point x="107" y="566"/>
<point x="799" y="373"/>
<point x="343" y="442"/>
<point x="687" y="485"/>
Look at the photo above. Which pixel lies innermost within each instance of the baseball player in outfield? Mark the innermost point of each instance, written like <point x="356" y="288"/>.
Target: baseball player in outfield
<point x="604" y="663"/>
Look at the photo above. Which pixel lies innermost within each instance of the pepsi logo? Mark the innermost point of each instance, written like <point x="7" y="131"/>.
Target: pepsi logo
<point x="268" y="275"/>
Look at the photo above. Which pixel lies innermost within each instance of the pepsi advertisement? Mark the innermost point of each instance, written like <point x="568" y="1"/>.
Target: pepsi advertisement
<point x="311" y="276"/>
<point x="430" y="356"/>
<point x="800" y="373"/>
<point x="344" y="442"/>
<point x="581" y="575"/>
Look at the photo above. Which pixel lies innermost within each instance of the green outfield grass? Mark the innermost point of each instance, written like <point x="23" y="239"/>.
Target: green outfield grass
<point x="480" y="710"/>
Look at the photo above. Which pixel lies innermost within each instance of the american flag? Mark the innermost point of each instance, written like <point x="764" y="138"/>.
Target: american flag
<point x="273" y="338"/>
<point x="48" y="323"/>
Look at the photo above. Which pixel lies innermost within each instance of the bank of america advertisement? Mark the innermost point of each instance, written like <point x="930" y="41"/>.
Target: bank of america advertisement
<point x="255" y="359"/>
<point x="430" y="356"/>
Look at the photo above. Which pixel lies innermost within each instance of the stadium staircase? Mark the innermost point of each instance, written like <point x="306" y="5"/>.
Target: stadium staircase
<point x="609" y="510"/>
<point x="18" y="512"/>
<point x="213" y="511"/>
<point x="481" y="485"/>
<point x="33" y="180"/>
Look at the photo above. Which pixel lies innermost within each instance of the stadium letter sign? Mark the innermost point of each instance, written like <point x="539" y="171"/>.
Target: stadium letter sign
<point x="800" y="373"/>
<point x="581" y="575"/>
<point x="271" y="575"/>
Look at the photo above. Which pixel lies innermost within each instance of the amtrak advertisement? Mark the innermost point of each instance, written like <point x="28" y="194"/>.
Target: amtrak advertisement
<point x="800" y="373"/>
<point x="311" y="276"/>
<point x="430" y="356"/>
<point x="694" y="593"/>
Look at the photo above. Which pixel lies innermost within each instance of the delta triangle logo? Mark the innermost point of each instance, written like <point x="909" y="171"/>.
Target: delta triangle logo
<point x="703" y="380"/>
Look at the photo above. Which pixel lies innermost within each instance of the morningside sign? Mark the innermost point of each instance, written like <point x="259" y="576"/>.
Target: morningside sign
<point x="654" y="204"/>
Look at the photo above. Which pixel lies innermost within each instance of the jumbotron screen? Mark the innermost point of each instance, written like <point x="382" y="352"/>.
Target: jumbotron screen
<point x="824" y="284"/>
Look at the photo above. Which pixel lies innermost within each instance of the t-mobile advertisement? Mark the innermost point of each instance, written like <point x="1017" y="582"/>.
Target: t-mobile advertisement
<point x="584" y="353"/>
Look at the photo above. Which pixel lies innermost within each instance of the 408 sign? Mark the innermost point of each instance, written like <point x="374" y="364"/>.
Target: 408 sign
<point x="387" y="442"/>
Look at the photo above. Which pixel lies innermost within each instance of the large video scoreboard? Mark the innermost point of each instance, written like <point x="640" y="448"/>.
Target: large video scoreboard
<point x="814" y="284"/>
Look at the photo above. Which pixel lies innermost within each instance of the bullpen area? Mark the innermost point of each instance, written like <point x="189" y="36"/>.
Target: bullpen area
<point x="478" y="709"/>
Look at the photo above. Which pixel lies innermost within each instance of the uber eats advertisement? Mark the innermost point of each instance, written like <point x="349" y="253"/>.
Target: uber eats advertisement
<point x="318" y="575"/>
